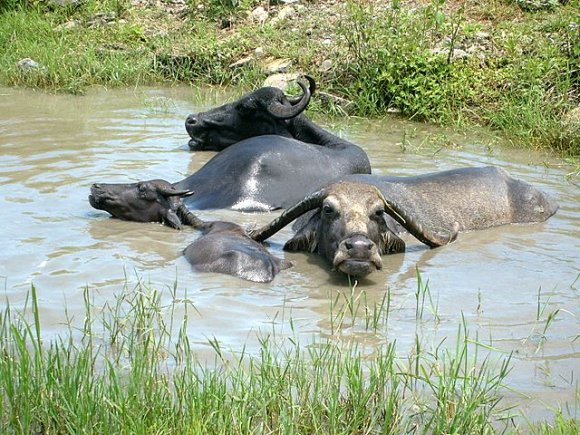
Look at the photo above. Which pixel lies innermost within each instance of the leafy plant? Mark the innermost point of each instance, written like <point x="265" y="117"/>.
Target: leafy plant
<point x="6" y="5"/>
<point x="537" y="5"/>
<point x="392" y="63"/>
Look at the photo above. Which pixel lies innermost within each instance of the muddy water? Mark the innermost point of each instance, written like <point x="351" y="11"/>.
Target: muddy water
<point x="54" y="147"/>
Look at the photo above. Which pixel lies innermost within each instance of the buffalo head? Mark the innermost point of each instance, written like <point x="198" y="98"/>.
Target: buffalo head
<point x="263" y="111"/>
<point x="145" y="201"/>
<point x="351" y="227"/>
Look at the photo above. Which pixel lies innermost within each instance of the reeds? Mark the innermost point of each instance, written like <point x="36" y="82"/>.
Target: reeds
<point x="130" y="368"/>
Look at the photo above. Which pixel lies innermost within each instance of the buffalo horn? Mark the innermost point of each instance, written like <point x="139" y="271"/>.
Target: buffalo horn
<point x="309" y="203"/>
<point x="424" y="235"/>
<point x="311" y="88"/>
<point x="188" y="218"/>
<point x="165" y="191"/>
<point x="280" y="111"/>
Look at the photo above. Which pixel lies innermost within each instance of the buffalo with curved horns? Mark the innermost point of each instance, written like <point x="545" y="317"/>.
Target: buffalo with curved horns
<point x="271" y="154"/>
<point x="265" y="111"/>
<point x="223" y="247"/>
<point x="358" y="219"/>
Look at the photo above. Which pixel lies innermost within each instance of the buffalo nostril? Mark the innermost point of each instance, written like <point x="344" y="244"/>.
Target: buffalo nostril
<point x="359" y="244"/>
<point x="366" y="245"/>
<point x="191" y="120"/>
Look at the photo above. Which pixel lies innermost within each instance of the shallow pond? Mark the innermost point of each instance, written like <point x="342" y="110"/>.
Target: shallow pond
<point x="517" y="287"/>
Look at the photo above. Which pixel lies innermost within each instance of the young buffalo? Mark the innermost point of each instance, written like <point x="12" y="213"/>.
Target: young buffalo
<point x="223" y="247"/>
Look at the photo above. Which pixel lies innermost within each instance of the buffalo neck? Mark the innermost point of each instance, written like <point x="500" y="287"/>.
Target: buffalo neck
<point x="188" y="218"/>
<point x="305" y="130"/>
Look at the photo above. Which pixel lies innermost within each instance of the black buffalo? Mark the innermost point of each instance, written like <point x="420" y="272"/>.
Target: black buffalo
<point x="265" y="111"/>
<point x="271" y="154"/>
<point x="358" y="219"/>
<point x="145" y="201"/>
<point x="223" y="247"/>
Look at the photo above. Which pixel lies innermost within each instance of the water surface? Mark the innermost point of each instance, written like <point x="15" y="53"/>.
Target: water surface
<point x="504" y="281"/>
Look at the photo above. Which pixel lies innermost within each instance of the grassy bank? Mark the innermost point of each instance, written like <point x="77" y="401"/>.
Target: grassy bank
<point x="129" y="367"/>
<point x="498" y="63"/>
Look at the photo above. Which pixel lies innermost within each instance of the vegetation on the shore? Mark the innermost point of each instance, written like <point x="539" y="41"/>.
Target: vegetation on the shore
<point x="513" y="66"/>
<point x="130" y="367"/>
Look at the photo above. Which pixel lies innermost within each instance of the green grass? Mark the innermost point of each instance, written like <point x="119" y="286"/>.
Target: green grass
<point x="130" y="368"/>
<point x="521" y="75"/>
<point x="72" y="61"/>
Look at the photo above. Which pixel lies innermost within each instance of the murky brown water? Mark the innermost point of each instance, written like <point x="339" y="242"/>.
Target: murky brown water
<point x="54" y="147"/>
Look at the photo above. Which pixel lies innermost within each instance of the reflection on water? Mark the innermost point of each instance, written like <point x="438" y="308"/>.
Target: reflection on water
<point x="503" y="281"/>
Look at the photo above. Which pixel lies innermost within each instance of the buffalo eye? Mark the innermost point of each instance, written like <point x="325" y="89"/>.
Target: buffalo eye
<point x="247" y="107"/>
<point x="379" y="216"/>
<point x="327" y="210"/>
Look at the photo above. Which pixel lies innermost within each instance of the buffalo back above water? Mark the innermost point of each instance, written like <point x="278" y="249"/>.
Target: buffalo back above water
<point x="268" y="172"/>
<point x="475" y="198"/>
<point x="225" y="248"/>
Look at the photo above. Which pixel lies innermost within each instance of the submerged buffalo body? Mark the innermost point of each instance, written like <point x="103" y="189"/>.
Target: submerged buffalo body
<point x="354" y="221"/>
<point x="223" y="247"/>
<point x="271" y="155"/>
<point x="474" y="198"/>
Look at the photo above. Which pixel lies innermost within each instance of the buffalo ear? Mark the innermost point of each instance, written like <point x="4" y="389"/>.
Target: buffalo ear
<point x="391" y="243"/>
<point x="304" y="240"/>
<point x="171" y="219"/>
<point x="306" y="237"/>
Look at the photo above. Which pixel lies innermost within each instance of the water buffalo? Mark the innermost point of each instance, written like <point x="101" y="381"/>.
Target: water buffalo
<point x="349" y="227"/>
<point x="265" y="111"/>
<point x="271" y="155"/>
<point x="223" y="247"/>
<point x="145" y="201"/>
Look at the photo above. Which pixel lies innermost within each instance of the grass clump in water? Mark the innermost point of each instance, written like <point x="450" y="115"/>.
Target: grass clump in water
<point x="130" y="368"/>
